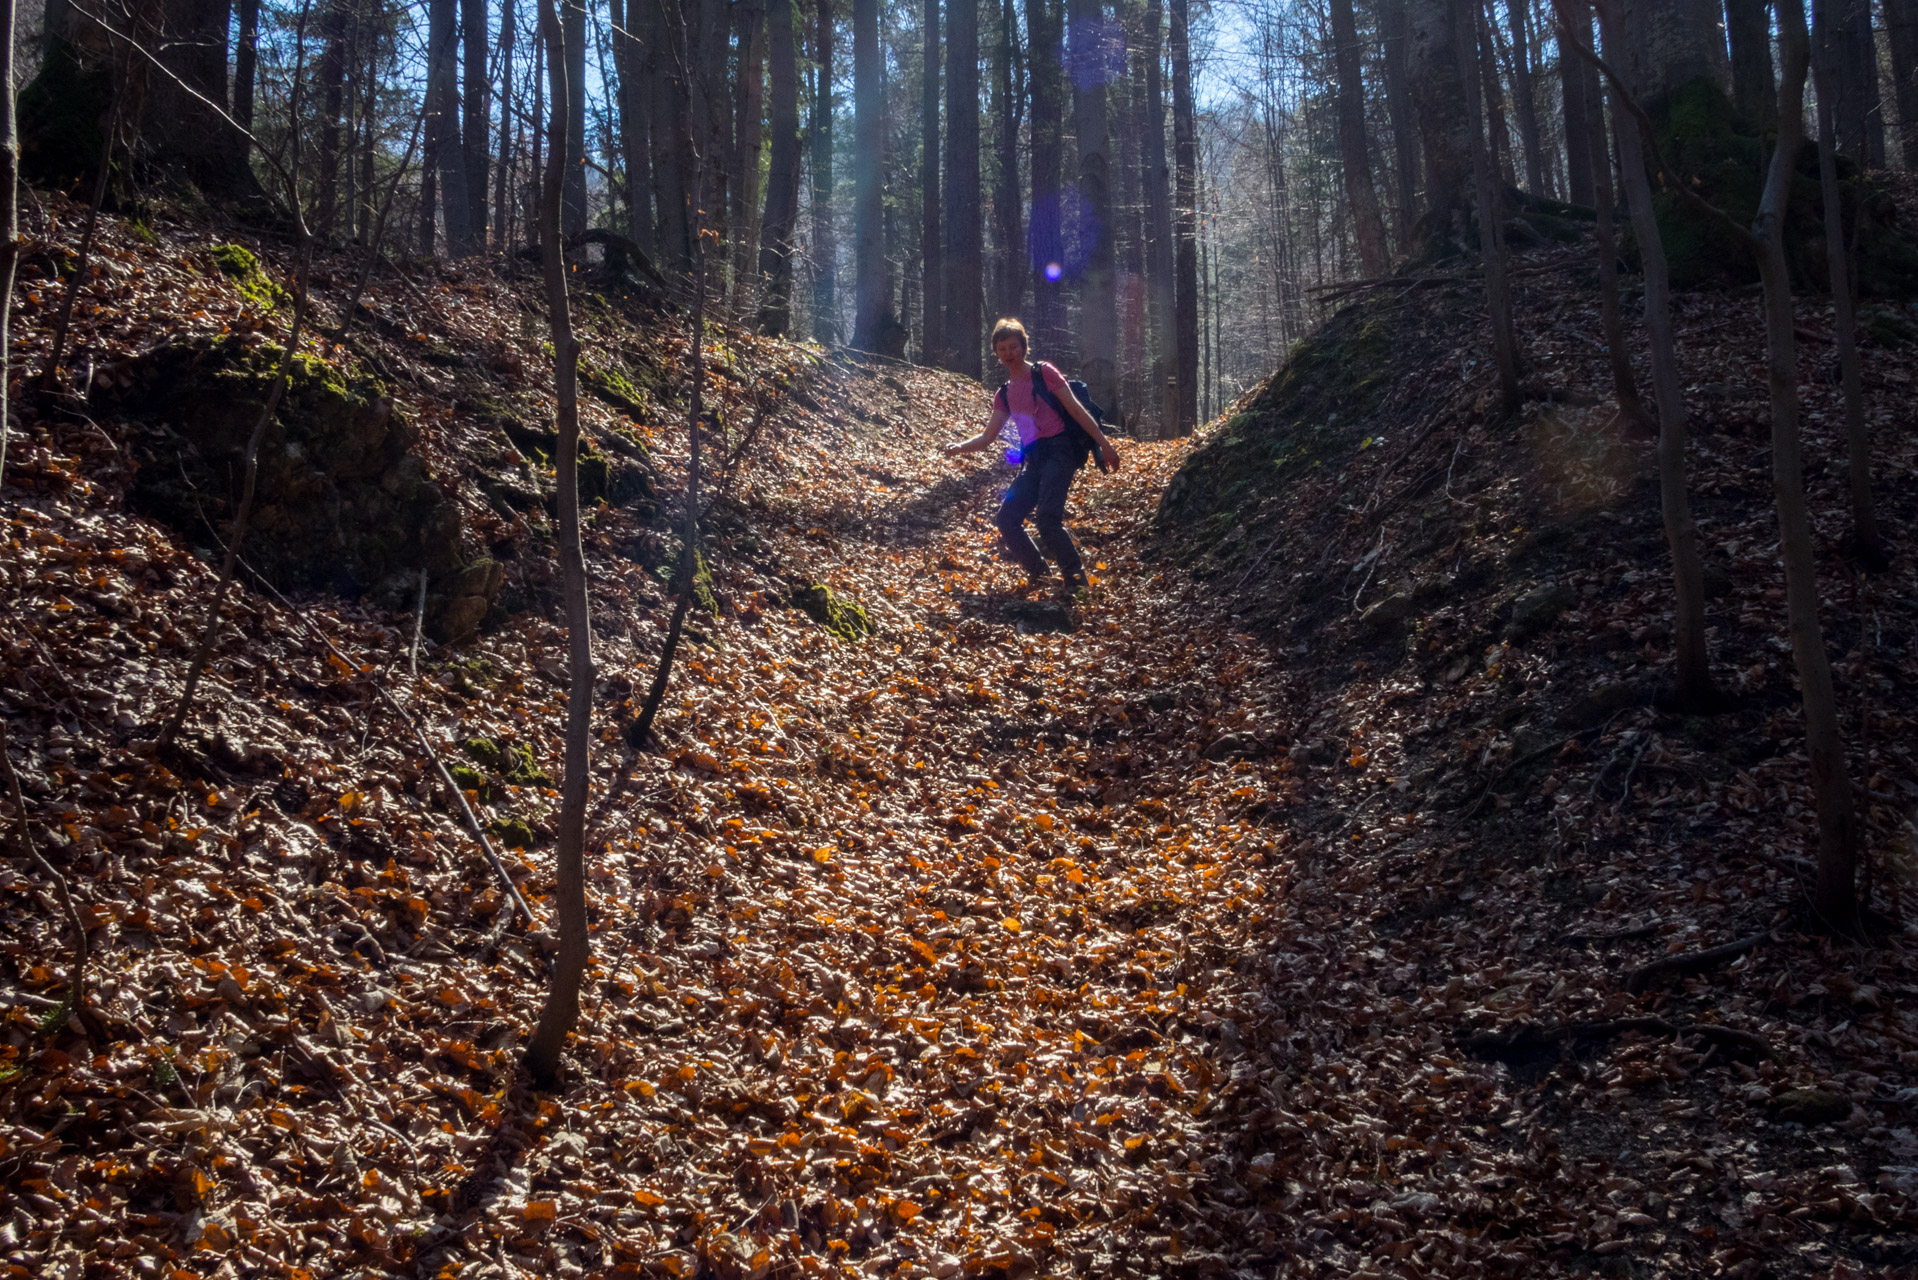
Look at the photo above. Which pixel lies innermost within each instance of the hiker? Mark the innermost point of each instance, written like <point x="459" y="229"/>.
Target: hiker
<point x="1036" y="399"/>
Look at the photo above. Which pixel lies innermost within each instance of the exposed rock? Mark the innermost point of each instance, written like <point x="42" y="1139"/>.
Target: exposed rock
<point x="841" y="615"/>
<point x="1033" y="617"/>
<point x="1386" y="614"/>
<point x="342" y="502"/>
<point x="1600" y="701"/>
<point x="1538" y="609"/>
<point x="1809" y="1106"/>
<point x="1233" y="746"/>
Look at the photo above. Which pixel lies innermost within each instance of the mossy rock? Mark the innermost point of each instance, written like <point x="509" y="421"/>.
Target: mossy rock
<point x="238" y="264"/>
<point x="1725" y="158"/>
<point x="483" y="751"/>
<point x="841" y="615"/>
<point x="467" y="778"/>
<point x="1809" y="1107"/>
<point x="514" y="833"/>
<point x="343" y="501"/>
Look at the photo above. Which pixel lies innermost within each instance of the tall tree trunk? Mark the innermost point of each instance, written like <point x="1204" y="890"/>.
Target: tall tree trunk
<point x="1585" y="146"/>
<point x="561" y="1012"/>
<point x="1489" y="199"/>
<point x="825" y="293"/>
<point x="1185" y="269"/>
<point x="1134" y="351"/>
<point x="1007" y="218"/>
<point x="963" y="292"/>
<point x="1748" y="28"/>
<point x="246" y="59"/>
<point x="749" y="135"/>
<point x="1098" y="330"/>
<point x="1691" y="660"/>
<point x="1670" y="42"/>
<point x="1497" y="126"/>
<point x="475" y="134"/>
<point x="1848" y="48"/>
<point x="673" y="127"/>
<point x="1045" y="227"/>
<point x="9" y="226"/>
<point x="503" y="166"/>
<point x="443" y="127"/>
<point x="782" y="175"/>
<point x="1354" y="156"/>
<point x="332" y="77"/>
<point x="931" y="241"/>
<point x="1398" y="110"/>
<point x="571" y="161"/>
<point x="1835" y="899"/>
<point x="871" y="286"/>
<point x="178" y="130"/>
<point x="630" y="55"/>
<point x="1161" y="407"/>
<point x="1868" y="543"/>
<point x="1523" y="96"/>
<point x="1901" y="34"/>
<point x="1575" y="19"/>
<point x="713" y="115"/>
<point x="1434" y="57"/>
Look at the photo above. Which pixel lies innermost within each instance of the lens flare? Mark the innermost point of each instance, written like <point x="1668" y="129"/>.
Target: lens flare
<point x="1054" y="271"/>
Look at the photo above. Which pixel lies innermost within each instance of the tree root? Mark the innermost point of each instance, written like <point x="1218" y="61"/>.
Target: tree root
<point x="1691" y="962"/>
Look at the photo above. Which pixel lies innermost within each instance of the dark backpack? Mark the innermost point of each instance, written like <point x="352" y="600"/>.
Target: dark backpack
<point x="1075" y="434"/>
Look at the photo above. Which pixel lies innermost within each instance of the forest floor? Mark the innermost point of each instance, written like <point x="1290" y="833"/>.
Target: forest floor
<point x="1194" y="941"/>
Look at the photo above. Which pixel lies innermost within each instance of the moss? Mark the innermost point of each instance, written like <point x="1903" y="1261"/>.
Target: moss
<point x="237" y="263"/>
<point x="483" y="751"/>
<point x="514" y="833"/>
<point x="467" y="778"/>
<point x="1311" y="409"/>
<point x="841" y="615"/>
<point x="519" y="768"/>
<point x="595" y="473"/>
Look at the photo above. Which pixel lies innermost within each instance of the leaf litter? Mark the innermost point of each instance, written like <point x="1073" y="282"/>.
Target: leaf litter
<point x="963" y="949"/>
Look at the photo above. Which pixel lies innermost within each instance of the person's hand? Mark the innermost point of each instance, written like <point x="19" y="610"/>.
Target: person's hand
<point x="1108" y="455"/>
<point x="954" y="450"/>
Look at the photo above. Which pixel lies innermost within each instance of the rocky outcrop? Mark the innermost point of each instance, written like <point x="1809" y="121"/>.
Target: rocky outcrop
<point x="344" y="502"/>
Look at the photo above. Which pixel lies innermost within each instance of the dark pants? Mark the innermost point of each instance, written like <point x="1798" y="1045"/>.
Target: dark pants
<point x="1040" y="491"/>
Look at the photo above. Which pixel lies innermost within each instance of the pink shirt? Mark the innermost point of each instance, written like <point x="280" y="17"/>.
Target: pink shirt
<point x="1027" y="411"/>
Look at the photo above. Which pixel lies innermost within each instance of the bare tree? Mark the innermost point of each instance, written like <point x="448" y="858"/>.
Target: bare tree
<point x="1690" y="656"/>
<point x="1835" y="897"/>
<point x="1006" y="216"/>
<point x="1868" y="543"/>
<point x="1045" y="230"/>
<point x="748" y="137"/>
<point x="962" y="295"/>
<point x="1435" y="56"/>
<point x="1523" y="99"/>
<point x="1398" y="106"/>
<point x="9" y="222"/>
<point x="1489" y="200"/>
<point x="931" y="242"/>
<point x="1748" y="28"/>
<point x="561" y="1012"/>
<point x="1575" y="27"/>
<point x="445" y="156"/>
<point x="782" y="175"/>
<point x="572" y="160"/>
<point x="476" y="101"/>
<point x="1354" y="157"/>
<point x="1185" y="272"/>
<point x="332" y="76"/>
<point x="1162" y="408"/>
<point x="873" y="312"/>
<point x="1901" y="36"/>
<point x="825" y="297"/>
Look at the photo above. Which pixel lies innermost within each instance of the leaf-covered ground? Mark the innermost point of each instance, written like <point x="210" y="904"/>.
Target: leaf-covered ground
<point x="971" y="947"/>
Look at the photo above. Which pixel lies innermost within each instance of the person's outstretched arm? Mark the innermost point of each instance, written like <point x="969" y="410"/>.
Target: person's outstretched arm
<point x="985" y="438"/>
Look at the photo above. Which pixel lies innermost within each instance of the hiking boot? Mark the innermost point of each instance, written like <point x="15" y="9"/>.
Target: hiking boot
<point x="1071" y="585"/>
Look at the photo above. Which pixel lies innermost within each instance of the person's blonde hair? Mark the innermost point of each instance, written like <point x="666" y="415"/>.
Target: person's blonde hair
<point x="1010" y="328"/>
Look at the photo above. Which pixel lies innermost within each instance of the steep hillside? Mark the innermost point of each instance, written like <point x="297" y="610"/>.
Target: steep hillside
<point x="1218" y="923"/>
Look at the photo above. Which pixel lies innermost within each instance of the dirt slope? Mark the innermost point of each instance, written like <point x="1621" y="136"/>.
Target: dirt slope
<point x="967" y="948"/>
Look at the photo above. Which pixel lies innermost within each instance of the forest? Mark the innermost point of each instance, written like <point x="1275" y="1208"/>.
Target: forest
<point x="526" y="748"/>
